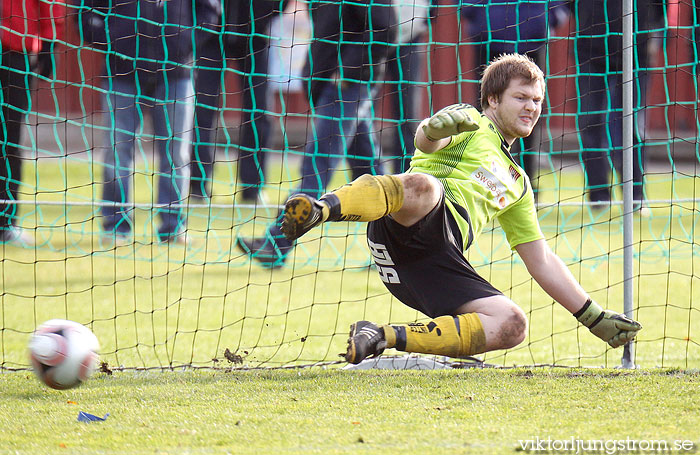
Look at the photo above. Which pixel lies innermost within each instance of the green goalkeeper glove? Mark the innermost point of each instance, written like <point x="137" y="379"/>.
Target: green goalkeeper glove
<point x="613" y="328"/>
<point x="450" y="121"/>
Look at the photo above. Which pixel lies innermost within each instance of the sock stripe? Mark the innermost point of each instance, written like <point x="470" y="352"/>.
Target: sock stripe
<point x="459" y="329"/>
<point x="333" y="206"/>
<point x="400" y="337"/>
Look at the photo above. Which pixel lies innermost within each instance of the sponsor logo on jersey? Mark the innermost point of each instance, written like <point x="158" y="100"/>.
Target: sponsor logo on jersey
<point x="489" y="181"/>
<point x="515" y="175"/>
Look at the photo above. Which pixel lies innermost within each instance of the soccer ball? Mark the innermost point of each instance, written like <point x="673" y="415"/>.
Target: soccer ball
<point x="63" y="353"/>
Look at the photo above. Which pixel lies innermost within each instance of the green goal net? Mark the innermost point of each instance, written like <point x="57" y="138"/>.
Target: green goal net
<point x="135" y="157"/>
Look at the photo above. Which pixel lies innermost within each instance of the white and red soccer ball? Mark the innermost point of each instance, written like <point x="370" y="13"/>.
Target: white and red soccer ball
<point x="63" y="353"/>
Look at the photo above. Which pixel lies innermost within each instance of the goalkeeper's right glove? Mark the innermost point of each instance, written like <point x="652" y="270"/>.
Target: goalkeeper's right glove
<point x="613" y="328"/>
<point x="450" y="121"/>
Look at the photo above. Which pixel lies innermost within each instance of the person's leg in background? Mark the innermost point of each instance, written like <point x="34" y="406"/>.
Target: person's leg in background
<point x="641" y="78"/>
<point x="172" y="127"/>
<point x="403" y="70"/>
<point x="615" y="119"/>
<point x="592" y="125"/>
<point x="207" y="86"/>
<point x="15" y="79"/>
<point x="339" y="115"/>
<point x="123" y="119"/>
<point x="248" y="27"/>
<point x="391" y="156"/>
<point x="411" y="58"/>
<point x="255" y="126"/>
<point x="363" y="155"/>
<point x="363" y="149"/>
<point x="334" y="127"/>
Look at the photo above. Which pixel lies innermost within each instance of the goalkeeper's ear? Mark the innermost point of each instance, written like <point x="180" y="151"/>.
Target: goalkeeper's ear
<point x="494" y="100"/>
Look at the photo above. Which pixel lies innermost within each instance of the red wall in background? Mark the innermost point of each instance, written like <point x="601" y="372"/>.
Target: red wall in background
<point x="447" y="56"/>
<point x="668" y="87"/>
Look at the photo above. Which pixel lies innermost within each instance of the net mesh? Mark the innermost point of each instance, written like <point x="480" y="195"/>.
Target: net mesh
<point x="206" y="303"/>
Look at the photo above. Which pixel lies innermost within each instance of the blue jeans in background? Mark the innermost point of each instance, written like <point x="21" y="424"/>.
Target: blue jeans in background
<point x="600" y="126"/>
<point x="255" y="127"/>
<point x="170" y="102"/>
<point x="403" y="73"/>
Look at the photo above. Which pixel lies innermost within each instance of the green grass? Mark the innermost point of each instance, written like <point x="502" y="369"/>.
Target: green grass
<point x="155" y="306"/>
<point x="338" y="412"/>
<point x="160" y="306"/>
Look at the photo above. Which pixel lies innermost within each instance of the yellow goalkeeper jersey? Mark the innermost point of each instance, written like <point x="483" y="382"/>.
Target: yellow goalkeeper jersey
<point x="483" y="182"/>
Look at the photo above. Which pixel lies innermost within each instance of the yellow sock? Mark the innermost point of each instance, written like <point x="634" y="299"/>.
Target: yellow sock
<point x="367" y="198"/>
<point x="453" y="336"/>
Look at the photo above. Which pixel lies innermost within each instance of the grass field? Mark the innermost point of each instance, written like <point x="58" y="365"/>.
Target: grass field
<point x="160" y="306"/>
<point x="341" y="412"/>
<point x="164" y="307"/>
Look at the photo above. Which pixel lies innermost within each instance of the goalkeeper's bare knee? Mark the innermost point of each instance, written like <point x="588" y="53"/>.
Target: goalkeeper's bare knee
<point x="504" y="322"/>
<point x="422" y="192"/>
<point x="513" y="328"/>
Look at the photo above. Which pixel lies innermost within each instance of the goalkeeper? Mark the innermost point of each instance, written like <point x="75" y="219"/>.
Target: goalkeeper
<point x="462" y="176"/>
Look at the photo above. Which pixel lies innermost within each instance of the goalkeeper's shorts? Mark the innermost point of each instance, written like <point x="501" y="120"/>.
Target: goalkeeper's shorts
<point x="423" y="265"/>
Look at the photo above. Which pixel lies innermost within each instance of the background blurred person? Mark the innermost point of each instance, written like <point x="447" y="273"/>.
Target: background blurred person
<point x="348" y="51"/>
<point x="29" y="32"/>
<point x="148" y="54"/>
<point x="239" y="32"/>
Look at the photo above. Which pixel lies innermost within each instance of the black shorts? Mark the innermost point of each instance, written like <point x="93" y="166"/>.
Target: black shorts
<point x="423" y="265"/>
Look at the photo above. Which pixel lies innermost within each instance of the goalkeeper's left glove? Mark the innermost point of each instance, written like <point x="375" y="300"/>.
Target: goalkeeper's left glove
<point x="613" y="328"/>
<point x="450" y="121"/>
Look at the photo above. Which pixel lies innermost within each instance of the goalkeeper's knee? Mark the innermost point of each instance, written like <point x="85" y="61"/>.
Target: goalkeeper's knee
<point x="367" y="198"/>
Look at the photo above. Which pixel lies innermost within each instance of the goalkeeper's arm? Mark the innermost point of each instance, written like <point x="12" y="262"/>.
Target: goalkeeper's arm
<point x="435" y="133"/>
<point x="555" y="278"/>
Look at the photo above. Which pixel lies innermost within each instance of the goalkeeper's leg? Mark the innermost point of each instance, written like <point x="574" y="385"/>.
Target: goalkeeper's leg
<point x="408" y="197"/>
<point x="479" y="326"/>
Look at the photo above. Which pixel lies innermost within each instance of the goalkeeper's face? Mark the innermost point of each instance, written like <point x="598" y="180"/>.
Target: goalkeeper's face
<point x="518" y="109"/>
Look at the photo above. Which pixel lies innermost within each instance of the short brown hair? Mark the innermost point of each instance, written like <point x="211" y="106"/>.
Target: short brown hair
<point x="504" y="68"/>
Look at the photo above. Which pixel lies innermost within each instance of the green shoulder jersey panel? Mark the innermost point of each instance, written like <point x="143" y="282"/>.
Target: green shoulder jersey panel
<point x="483" y="182"/>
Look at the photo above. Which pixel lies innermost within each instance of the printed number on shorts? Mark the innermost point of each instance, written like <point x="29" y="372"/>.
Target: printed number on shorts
<point x="383" y="261"/>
